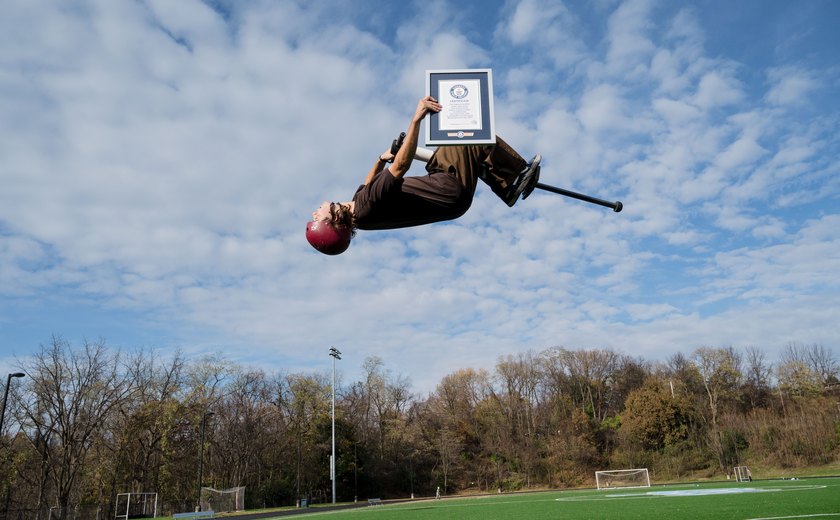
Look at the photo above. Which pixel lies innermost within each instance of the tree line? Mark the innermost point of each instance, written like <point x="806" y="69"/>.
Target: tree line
<point x="88" y="422"/>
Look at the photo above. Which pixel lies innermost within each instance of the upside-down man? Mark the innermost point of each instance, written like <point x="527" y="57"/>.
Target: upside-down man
<point x="388" y="199"/>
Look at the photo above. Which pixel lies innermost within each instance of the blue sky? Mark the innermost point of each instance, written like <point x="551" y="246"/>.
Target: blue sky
<point x="160" y="160"/>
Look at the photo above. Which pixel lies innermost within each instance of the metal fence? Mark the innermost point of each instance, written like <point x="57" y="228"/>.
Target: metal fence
<point x="88" y="512"/>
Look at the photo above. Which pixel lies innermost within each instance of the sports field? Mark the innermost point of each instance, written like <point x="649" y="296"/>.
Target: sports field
<point x="771" y="499"/>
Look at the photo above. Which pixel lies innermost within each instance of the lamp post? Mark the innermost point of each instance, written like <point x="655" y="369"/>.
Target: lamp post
<point x="336" y="354"/>
<point x="356" y="470"/>
<point x="201" y="457"/>
<point x="6" y="396"/>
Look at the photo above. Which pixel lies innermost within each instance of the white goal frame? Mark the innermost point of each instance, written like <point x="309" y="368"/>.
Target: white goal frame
<point x="602" y="480"/>
<point x="743" y="474"/>
<point x="143" y="499"/>
<point x="230" y="500"/>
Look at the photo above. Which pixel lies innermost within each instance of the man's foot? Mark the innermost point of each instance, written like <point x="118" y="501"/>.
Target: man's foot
<point x="524" y="184"/>
<point x="535" y="179"/>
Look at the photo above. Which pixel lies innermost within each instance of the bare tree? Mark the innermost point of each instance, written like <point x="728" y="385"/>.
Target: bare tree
<point x="72" y="394"/>
<point x="806" y="370"/>
<point x="587" y="376"/>
<point x="757" y="374"/>
<point x="243" y="417"/>
<point x="449" y="448"/>
<point x="822" y="362"/>
<point x="304" y="402"/>
<point x="457" y="396"/>
<point x="720" y="369"/>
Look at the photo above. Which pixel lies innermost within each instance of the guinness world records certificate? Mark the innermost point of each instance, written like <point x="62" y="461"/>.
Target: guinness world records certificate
<point x="466" y="96"/>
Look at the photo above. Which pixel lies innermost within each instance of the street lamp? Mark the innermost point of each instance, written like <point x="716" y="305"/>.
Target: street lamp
<point x="336" y="354"/>
<point x="6" y="396"/>
<point x="356" y="470"/>
<point x="201" y="457"/>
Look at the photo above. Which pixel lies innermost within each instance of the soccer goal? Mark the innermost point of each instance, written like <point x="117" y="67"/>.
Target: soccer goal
<point x="136" y="505"/>
<point x="622" y="478"/>
<point x="743" y="474"/>
<point x="223" y="500"/>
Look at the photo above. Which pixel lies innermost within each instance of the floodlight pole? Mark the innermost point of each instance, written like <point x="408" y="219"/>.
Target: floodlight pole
<point x="6" y="396"/>
<point x="335" y="354"/>
<point x="201" y="457"/>
<point x="356" y="470"/>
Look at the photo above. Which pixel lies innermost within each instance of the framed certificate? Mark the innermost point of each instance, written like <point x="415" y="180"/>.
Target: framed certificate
<point x="467" y="114"/>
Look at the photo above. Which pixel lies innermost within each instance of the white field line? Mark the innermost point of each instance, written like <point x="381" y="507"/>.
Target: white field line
<point x="816" y="515"/>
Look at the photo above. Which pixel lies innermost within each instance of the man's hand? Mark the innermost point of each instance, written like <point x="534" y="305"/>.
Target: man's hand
<point x="424" y="106"/>
<point x="386" y="156"/>
<point x="404" y="156"/>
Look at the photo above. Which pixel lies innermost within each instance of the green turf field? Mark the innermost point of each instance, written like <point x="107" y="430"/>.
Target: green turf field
<point x="771" y="499"/>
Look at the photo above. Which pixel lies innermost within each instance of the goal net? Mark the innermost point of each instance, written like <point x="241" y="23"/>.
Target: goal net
<point x="223" y="500"/>
<point x="743" y="474"/>
<point x="135" y="505"/>
<point x="622" y="478"/>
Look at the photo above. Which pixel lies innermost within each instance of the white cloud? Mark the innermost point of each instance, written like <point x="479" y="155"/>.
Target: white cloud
<point x="161" y="160"/>
<point x="431" y="41"/>
<point x="190" y="20"/>
<point x="772" y="229"/>
<point x="546" y="25"/>
<point x="602" y="109"/>
<point x="676" y="112"/>
<point x="791" y="86"/>
<point x="648" y="312"/>
<point x="733" y="219"/>
<point x="803" y="263"/>
<point x="717" y="90"/>
<point x="742" y="152"/>
<point x="630" y="46"/>
<point x="525" y="20"/>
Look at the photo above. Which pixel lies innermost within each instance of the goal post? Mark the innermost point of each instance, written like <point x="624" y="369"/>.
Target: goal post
<point x="622" y="478"/>
<point x="743" y="474"/>
<point x="223" y="500"/>
<point x="136" y="505"/>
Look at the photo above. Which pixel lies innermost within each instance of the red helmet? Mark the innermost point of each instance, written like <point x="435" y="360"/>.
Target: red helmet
<point x="328" y="238"/>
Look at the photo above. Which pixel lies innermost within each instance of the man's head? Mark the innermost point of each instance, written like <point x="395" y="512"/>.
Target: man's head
<point x="331" y="228"/>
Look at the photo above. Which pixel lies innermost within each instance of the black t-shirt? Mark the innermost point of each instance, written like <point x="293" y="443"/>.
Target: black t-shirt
<point x="390" y="203"/>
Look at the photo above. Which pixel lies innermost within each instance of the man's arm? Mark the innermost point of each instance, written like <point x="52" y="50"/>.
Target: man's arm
<point x="378" y="167"/>
<point x="402" y="161"/>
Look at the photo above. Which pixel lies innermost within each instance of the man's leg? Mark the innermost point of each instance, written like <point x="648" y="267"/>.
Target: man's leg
<point x="465" y="162"/>
<point x="508" y="174"/>
<point x="503" y="165"/>
<point x="499" y="166"/>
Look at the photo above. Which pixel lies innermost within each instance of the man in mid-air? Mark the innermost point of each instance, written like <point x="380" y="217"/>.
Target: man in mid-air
<point x="388" y="199"/>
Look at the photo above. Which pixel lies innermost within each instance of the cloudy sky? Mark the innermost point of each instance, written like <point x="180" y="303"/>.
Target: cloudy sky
<point x="159" y="160"/>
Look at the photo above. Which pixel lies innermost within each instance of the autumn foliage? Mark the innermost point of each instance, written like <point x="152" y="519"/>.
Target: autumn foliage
<point x="91" y="421"/>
